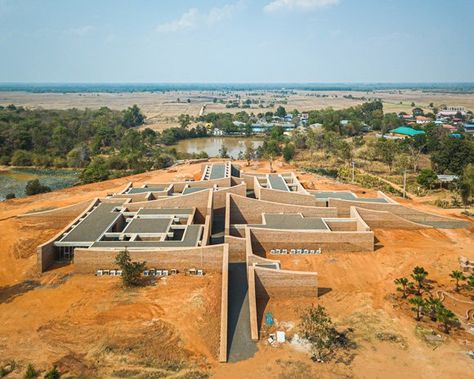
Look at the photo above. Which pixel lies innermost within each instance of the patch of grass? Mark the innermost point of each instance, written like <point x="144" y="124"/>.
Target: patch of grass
<point x="194" y="375"/>
<point x="430" y="336"/>
<point x="154" y="375"/>
<point x="294" y="370"/>
<point x="392" y="337"/>
<point x="125" y="373"/>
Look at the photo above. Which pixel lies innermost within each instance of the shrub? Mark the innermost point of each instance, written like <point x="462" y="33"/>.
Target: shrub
<point x="30" y="373"/>
<point x="52" y="374"/>
<point x="10" y="196"/>
<point x="317" y="328"/>
<point x="34" y="187"/>
<point x="426" y="178"/>
<point x="131" y="271"/>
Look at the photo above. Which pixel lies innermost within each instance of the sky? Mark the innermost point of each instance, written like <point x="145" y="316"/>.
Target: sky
<point x="236" y="41"/>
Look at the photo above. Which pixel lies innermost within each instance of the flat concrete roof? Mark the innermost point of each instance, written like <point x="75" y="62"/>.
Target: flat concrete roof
<point x="94" y="224"/>
<point x="148" y="225"/>
<point x="292" y="221"/>
<point x="345" y="195"/>
<point x="190" y="239"/>
<point x="217" y="171"/>
<point x="277" y="182"/>
<point x="154" y="188"/>
<point x="165" y="211"/>
<point x="189" y="190"/>
<point x="335" y="195"/>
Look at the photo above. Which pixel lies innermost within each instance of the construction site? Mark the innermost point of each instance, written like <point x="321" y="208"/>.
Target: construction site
<point x="229" y="247"/>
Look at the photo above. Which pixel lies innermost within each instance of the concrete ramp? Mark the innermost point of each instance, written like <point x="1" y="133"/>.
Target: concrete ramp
<point x="241" y="347"/>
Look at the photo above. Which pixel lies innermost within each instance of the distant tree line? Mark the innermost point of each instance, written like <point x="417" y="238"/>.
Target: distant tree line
<point x="104" y="143"/>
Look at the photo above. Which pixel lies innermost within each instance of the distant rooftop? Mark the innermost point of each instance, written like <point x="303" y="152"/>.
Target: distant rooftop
<point x="407" y="131"/>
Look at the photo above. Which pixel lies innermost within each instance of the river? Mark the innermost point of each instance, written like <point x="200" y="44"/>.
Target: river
<point x="211" y="145"/>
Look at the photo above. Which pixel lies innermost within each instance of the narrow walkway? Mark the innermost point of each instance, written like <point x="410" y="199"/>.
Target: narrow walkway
<point x="218" y="222"/>
<point x="240" y="345"/>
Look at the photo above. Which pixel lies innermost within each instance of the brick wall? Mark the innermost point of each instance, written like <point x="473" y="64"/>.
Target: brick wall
<point x="293" y="198"/>
<point x="87" y="261"/>
<point x="236" y="248"/>
<point x="220" y="195"/>
<point x="263" y="240"/>
<point x="244" y="210"/>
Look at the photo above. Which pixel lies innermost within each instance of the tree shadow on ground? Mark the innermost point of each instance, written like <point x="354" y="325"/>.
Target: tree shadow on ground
<point x="9" y="293"/>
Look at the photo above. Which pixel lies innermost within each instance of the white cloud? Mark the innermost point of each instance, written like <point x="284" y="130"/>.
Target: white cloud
<point x="302" y="5"/>
<point x="194" y="18"/>
<point x="187" y="21"/>
<point x="81" y="31"/>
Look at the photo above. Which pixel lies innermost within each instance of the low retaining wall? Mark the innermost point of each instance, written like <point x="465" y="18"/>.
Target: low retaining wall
<point x="285" y="284"/>
<point x="293" y="198"/>
<point x="68" y="210"/>
<point x="265" y="284"/>
<point x="263" y="240"/>
<point x="387" y="220"/>
<point x="209" y="258"/>
<point x="244" y="210"/>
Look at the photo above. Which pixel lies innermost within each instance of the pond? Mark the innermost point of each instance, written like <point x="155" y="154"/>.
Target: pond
<point x="211" y="145"/>
<point x="14" y="180"/>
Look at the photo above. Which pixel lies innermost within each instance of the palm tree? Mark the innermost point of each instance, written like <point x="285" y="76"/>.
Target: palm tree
<point x="470" y="281"/>
<point x="404" y="284"/>
<point x="457" y="276"/>
<point x="431" y="307"/>
<point x="447" y="318"/>
<point x="419" y="276"/>
<point x="418" y="303"/>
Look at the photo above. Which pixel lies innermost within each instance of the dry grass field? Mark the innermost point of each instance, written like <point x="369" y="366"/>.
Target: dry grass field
<point x="163" y="109"/>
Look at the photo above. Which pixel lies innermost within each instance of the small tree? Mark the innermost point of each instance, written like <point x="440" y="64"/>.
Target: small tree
<point x="403" y="285"/>
<point x="52" y="374"/>
<point x="317" y="328"/>
<point x="426" y="178"/>
<point x="470" y="281"/>
<point x="271" y="150"/>
<point x="419" y="276"/>
<point x="223" y="152"/>
<point x="30" y="373"/>
<point x="447" y="318"/>
<point x="288" y="152"/>
<point x="131" y="271"/>
<point x="418" y="304"/>
<point x="249" y="154"/>
<point x="431" y="307"/>
<point x="457" y="276"/>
